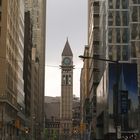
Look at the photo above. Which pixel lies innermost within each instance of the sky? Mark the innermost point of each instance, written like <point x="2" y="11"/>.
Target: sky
<point x="65" y="19"/>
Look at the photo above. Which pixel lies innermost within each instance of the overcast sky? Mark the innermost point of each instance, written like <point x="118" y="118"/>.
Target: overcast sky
<point x="65" y="18"/>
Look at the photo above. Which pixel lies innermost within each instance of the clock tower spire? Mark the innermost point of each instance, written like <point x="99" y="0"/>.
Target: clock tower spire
<point x="67" y="50"/>
<point x="66" y="92"/>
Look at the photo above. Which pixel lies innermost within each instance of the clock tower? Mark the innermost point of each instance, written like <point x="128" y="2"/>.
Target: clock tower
<point x="66" y="92"/>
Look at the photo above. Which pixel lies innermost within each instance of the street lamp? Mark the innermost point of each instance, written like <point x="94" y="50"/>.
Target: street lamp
<point x="117" y="117"/>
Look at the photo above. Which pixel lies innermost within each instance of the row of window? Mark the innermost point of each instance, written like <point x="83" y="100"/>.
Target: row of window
<point x="122" y="52"/>
<point x="118" y="4"/>
<point x="122" y="35"/>
<point x="121" y="4"/>
<point x="118" y="35"/>
<point x="67" y="80"/>
<point x="135" y="13"/>
<point x="118" y="18"/>
<point x="121" y="18"/>
<point x="118" y="52"/>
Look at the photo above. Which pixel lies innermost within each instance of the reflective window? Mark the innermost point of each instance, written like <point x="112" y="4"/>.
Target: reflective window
<point x="134" y="31"/>
<point x="137" y="43"/>
<point x="118" y="18"/>
<point x="133" y="49"/>
<point x="117" y="4"/>
<point x="110" y="18"/>
<point x="118" y="52"/>
<point x="125" y="35"/>
<point x="125" y="52"/>
<point x="125" y="18"/>
<point x="110" y="3"/>
<point x="110" y="33"/>
<point x="110" y="52"/>
<point x="124" y="4"/>
<point x="134" y="13"/>
<point x="118" y="35"/>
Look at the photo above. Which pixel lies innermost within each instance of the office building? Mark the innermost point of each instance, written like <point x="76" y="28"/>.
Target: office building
<point x="113" y="33"/>
<point x="37" y="12"/>
<point x="12" y="105"/>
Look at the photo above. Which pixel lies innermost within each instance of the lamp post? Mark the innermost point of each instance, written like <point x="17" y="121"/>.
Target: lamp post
<point x="117" y="117"/>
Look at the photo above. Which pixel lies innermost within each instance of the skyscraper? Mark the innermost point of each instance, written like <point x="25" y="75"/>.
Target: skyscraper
<point x="37" y="11"/>
<point x="11" y="68"/>
<point x="113" y="33"/>
<point x="66" y="92"/>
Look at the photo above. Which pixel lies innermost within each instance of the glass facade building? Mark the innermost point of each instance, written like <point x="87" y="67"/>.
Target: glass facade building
<point x="120" y="33"/>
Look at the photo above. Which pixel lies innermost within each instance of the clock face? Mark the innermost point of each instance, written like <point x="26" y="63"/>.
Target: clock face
<point x="67" y="61"/>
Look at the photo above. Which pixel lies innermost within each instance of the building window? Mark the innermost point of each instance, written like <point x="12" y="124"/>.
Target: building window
<point x="110" y="4"/>
<point x="125" y="35"/>
<point x="118" y="35"/>
<point x="134" y="31"/>
<point x="118" y="20"/>
<point x="110" y="18"/>
<point x="70" y="80"/>
<point x="134" y="13"/>
<point x="125" y="18"/>
<point x="124" y="4"/>
<point x="0" y="16"/>
<point x="117" y="4"/>
<point x="110" y="35"/>
<point x="64" y="80"/>
<point x="118" y="52"/>
<point x="125" y="52"/>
